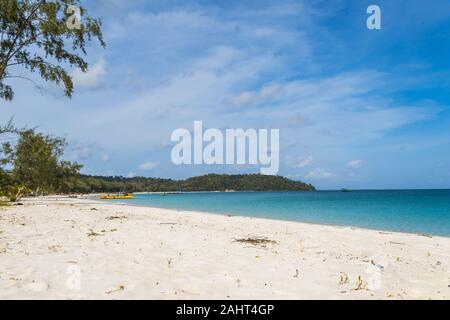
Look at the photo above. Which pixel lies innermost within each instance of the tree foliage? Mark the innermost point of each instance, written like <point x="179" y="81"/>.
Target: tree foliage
<point x="14" y="192"/>
<point x="36" y="163"/>
<point x="36" y="35"/>
<point x="211" y="182"/>
<point x="8" y="128"/>
<point x="5" y="179"/>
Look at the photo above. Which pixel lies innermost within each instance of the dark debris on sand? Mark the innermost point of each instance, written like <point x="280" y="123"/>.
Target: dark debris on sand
<point x="256" y="241"/>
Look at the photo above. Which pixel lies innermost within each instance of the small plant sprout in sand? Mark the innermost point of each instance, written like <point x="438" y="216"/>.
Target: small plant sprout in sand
<point x="361" y="284"/>
<point x="92" y="233"/>
<point x="344" y="278"/>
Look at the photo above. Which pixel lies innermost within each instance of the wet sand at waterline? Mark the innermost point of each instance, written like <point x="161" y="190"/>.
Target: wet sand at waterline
<point x="65" y="248"/>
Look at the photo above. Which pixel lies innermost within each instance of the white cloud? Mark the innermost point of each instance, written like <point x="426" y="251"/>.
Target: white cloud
<point x="242" y="98"/>
<point x="131" y="174"/>
<point x="318" y="173"/>
<point x="252" y="97"/>
<point x="305" y="162"/>
<point x="148" y="165"/>
<point x="80" y="151"/>
<point x="92" y="78"/>
<point x="355" y="164"/>
<point x="269" y="91"/>
<point x="105" y="157"/>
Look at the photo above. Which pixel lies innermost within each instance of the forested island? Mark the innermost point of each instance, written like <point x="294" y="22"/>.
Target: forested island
<point x="210" y="182"/>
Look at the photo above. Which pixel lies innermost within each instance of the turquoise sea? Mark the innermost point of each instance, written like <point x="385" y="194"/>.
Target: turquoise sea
<point x="413" y="211"/>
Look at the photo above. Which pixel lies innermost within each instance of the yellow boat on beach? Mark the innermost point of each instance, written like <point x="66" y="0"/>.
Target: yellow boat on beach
<point x="125" y="196"/>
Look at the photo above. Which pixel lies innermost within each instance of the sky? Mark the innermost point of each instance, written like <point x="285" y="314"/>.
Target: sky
<point x="356" y="108"/>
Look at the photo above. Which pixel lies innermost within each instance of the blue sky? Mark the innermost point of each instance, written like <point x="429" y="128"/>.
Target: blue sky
<point x="356" y="108"/>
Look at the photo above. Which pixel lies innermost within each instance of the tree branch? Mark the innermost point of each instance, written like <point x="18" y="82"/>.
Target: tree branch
<point x="8" y="56"/>
<point x="26" y="78"/>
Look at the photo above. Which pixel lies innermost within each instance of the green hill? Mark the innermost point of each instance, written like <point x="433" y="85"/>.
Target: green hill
<point x="210" y="182"/>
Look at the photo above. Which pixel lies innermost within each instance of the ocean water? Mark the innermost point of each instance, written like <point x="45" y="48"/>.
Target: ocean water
<point x="413" y="211"/>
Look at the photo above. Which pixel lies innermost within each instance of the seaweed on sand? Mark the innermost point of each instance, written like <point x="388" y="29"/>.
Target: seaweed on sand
<point x="256" y="241"/>
<point x="92" y="233"/>
<point x="116" y="218"/>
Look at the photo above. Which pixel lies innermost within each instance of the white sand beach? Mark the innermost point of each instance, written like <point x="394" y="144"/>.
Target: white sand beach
<point x="125" y="252"/>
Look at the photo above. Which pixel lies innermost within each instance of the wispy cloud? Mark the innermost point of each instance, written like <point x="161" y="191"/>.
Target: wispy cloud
<point x="148" y="166"/>
<point x="253" y="97"/>
<point x="304" y="163"/>
<point x="80" y="151"/>
<point x="92" y="78"/>
<point x="318" y="174"/>
<point x="355" y="164"/>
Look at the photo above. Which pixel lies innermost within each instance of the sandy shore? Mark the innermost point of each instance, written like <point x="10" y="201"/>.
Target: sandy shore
<point x="61" y="248"/>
